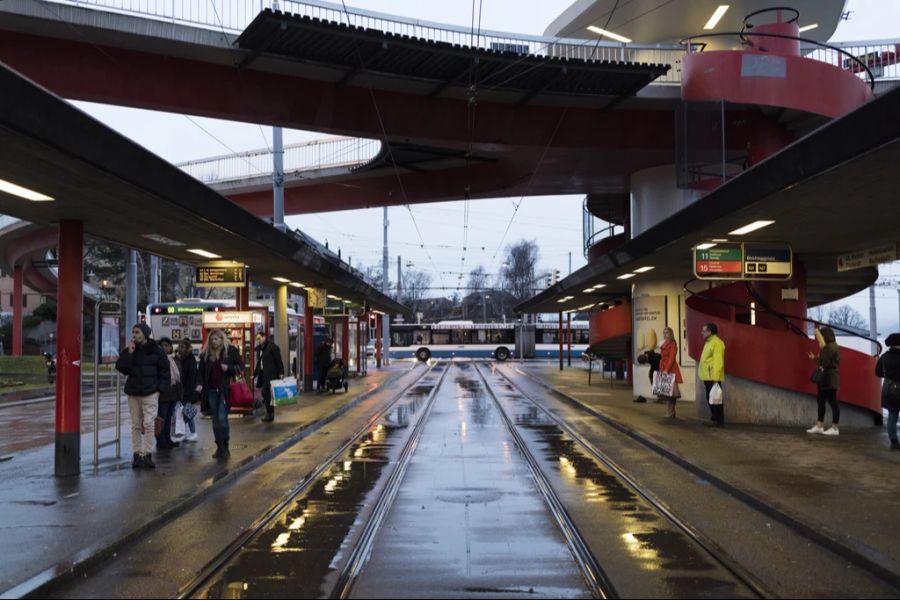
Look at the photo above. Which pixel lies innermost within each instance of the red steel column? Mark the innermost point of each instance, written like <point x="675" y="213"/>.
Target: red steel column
<point x="68" y="349"/>
<point x="378" y="340"/>
<point x="308" y="349"/>
<point x="17" y="311"/>
<point x="359" y="356"/>
<point x="560" y="336"/>
<point x="345" y="339"/>
<point x="569" y="338"/>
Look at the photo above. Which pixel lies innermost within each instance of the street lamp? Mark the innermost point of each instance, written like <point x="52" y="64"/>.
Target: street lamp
<point x="484" y="307"/>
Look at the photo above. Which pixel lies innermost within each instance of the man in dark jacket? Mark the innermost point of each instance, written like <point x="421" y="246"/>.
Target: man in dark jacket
<point x="269" y="367"/>
<point x="323" y="361"/>
<point x="146" y="367"/>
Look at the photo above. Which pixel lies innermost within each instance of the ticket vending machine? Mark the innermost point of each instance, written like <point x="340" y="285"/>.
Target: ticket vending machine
<point x="240" y="327"/>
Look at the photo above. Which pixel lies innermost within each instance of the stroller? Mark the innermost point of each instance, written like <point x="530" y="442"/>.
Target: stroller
<point x="336" y="376"/>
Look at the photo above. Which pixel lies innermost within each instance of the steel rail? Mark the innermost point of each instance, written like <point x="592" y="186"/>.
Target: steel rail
<point x="214" y="566"/>
<point x="596" y="578"/>
<point x="359" y="556"/>
<point x="714" y="550"/>
<point x="816" y="533"/>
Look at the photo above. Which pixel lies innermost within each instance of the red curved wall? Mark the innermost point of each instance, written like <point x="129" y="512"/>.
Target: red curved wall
<point x="779" y="358"/>
<point x="610" y="323"/>
<point x="794" y="82"/>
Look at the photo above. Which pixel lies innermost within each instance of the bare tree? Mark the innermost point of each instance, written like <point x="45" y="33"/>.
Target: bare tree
<point x="846" y="316"/>
<point x="478" y="279"/>
<point x="517" y="276"/>
<point x="415" y="286"/>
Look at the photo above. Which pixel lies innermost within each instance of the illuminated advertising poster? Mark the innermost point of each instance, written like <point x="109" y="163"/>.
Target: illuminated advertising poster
<point x="109" y="339"/>
<point x="649" y="321"/>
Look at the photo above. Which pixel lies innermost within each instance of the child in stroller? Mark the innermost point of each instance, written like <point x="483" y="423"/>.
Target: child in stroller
<point x="336" y="376"/>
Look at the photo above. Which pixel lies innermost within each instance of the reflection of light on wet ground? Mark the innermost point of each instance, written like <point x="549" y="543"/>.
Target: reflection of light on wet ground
<point x="567" y="468"/>
<point x="507" y="452"/>
<point x="236" y="589"/>
<point x="640" y="551"/>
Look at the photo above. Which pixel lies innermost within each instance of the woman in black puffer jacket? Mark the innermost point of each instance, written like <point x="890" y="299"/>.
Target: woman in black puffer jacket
<point x="889" y="367"/>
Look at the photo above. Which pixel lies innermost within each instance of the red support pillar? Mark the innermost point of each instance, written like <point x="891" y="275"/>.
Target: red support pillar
<point x="308" y="349"/>
<point x="242" y="298"/>
<point x="359" y="356"/>
<point x="569" y="338"/>
<point x="345" y="339"/>
<point x="68" y="348"/>
<point x="17" y="311"/>
<point x="560" y="337"/>
<point x="378" y="340"/>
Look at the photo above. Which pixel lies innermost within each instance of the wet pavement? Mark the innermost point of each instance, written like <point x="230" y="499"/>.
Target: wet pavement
<point x="844" y="487"/>
<point x="468" y="521"/>
<point x="49" y="522"/>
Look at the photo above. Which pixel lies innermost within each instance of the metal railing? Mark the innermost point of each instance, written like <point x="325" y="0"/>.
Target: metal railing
<point x="305" y="156"/>
<point x="594" y="229"/>
<point x="232" y="16"/>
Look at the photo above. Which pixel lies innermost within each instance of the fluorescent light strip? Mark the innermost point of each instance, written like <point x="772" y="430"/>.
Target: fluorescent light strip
<point x="706" y="246"/>
<point x="720" y="240"/>
<point x="609" y="34"/>
<point x="751" y="227"/>
<point x="716" y="16"/>
<point x="588" y="290"/>
<point x="203" y="253"/>
<point x="644" y="269"/>
<point x="296" y="284"/>
<point x="21" y="192"/>
<point x="808" y="27"/>
<point x="282" y="279"/>
<point x="626" y="276"/>
<point x="599" y="285"/>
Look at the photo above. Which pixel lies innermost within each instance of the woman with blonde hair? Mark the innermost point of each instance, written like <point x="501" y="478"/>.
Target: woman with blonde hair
<point x="220" y="364"/>
<point x="669" y="364"/>
<point x="828" y="380"/>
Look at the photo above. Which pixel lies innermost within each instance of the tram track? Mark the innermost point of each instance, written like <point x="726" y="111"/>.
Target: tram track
<point x="712" y="550"/>
<point x="199" y="585"/>
<point x="811" y="533"/>
<point x="595" y="578"/>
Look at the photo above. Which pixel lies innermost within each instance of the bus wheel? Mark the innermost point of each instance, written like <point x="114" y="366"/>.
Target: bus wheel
<point x="501" y="353"/>
<point x="423" y="354"/>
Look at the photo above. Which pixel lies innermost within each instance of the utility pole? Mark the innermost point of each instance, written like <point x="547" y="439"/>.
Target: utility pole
<point x="154" y="279"/>
<point x="278" y="177"/>
<point x="399" y="278"/>
<point x="385" y="319"/>
<point x="570" y="263"/>
<point x="873" y="324"/>
<point x="130" y="294"/>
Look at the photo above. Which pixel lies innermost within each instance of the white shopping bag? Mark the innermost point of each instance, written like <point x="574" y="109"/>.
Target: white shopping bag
<point x="179" y="429"/>
<point x="715" y="394"/>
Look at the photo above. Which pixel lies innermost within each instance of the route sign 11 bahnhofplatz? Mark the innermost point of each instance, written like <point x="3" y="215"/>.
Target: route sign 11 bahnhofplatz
<point x="737" y="261"/>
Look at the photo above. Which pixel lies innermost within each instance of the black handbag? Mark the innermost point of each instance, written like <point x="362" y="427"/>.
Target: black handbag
<point x="818" y="375"/>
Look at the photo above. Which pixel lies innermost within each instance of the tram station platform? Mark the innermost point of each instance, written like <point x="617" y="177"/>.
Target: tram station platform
<point x="52" y="524"/>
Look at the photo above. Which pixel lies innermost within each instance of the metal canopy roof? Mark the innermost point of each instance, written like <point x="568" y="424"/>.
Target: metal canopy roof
<point x="356" y="49"/>
<point x="829" y="193"/>
<point x="122" y="193"/>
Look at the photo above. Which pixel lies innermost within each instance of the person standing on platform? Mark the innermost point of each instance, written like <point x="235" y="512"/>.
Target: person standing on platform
<point x="889" y="367"/>
<point x="269" y="367"/>
<point x="712" y="372"/>
<point x="649" y="357"/>
<point x="220" y="363"/>
<point x="668" y="363"/>
<point x="323" y="361"/>
<point x="146" y="368"/>
<point x="169" y="399"/>
<point x="828" y="360"/>
<point x="189" y="399"/>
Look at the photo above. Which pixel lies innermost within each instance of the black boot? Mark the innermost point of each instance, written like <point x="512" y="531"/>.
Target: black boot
<point x="148" y="462"/>
<point x="218" y="453"/>
<point x="895" y="445"/>
<point x="270" y="416"/>
<point x="136" y="461"/>
<point x="226" y="453"/>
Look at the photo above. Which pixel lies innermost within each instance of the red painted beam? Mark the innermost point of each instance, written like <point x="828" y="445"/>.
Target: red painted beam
<point x="17" y="311"/>
<point x="68" y="349"/>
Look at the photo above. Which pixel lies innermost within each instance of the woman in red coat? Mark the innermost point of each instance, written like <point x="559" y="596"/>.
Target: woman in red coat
<point x="669" y="364"/>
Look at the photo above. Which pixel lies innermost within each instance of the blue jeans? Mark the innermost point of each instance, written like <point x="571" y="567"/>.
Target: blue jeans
<point x="218" y="410"/>
<point x="190" y="422"/>
<point x="892" y="424"/>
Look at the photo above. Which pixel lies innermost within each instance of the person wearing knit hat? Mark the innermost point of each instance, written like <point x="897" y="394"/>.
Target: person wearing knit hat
<point x="146" y="368"/>
<point x="889" y="367"/>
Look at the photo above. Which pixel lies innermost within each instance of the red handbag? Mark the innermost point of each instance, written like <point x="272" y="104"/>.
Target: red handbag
<point x="239" y="394"/>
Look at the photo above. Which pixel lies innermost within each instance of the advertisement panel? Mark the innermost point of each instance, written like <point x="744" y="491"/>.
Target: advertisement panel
<point x="649" y="321"/>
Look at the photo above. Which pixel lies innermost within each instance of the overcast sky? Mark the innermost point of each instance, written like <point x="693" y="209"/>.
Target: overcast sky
<point x="554" y="222"/>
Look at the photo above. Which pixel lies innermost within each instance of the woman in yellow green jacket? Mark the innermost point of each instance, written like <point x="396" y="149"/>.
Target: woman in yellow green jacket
<point x="712" y="370"/>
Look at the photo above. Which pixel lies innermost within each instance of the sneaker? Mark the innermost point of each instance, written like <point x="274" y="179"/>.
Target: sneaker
<point x="191" y="437"/>
<point x="639" y="399"/>
<point x="815" y="429"/>
<point x="831" y="431"/>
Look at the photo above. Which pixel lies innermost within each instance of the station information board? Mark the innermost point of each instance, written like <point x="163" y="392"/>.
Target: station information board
<point x="221" y="273"/>
<point x="737" y="261"/>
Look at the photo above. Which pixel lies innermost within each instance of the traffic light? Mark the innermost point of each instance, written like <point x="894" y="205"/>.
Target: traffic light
<point x="547" y="282"/>
<point x="555" y="276"/>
